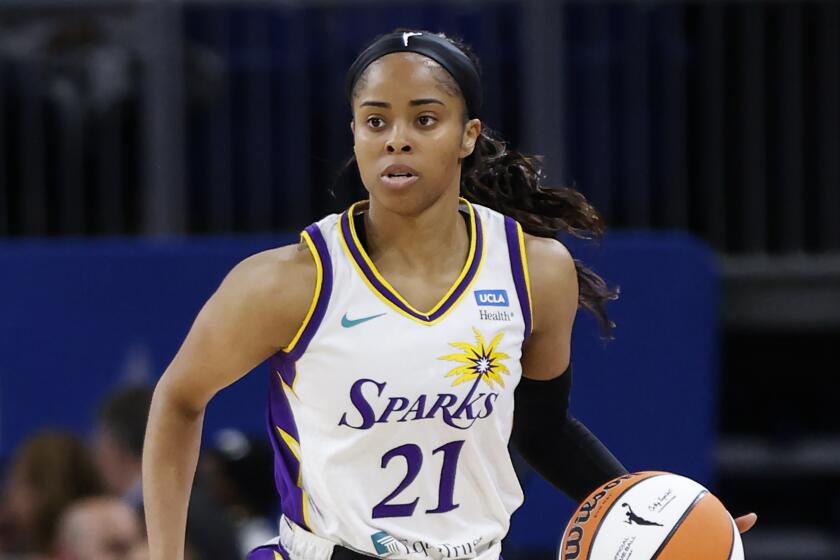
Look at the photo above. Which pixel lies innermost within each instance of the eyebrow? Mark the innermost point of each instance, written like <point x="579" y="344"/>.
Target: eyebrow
<point x="412" y="103"/>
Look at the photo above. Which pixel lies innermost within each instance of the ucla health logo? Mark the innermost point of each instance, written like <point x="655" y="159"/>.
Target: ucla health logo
<point x="496" y="298"/>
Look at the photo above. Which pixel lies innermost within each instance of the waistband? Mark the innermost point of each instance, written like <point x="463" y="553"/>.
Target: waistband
<point x="304" y="545"/>
<point x="301" y="544"/>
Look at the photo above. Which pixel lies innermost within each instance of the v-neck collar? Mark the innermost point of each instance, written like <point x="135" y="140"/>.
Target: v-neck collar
<point x="382" y="288"/>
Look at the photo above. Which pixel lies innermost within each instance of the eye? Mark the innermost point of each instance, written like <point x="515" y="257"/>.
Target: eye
<point x="371" y="121"/>
<point x="430" y="118"/>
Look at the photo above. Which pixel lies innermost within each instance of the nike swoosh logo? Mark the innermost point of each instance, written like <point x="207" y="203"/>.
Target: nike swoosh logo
<point x="347" y="322"/>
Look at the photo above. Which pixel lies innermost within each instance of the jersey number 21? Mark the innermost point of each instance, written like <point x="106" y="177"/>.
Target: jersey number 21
<point x="414" y="461"/>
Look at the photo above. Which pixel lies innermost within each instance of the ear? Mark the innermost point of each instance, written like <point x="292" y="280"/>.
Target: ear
<point x="353" y="126"/>
<point x="472" y="130"/>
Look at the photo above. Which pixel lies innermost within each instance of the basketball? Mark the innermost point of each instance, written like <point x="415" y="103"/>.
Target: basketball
<point x="651" y="515"/>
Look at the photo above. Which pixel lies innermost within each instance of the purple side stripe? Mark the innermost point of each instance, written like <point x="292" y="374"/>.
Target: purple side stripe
<point x="286" y="465"/>
<point x="387" y="294"/>
<point x="279" y="413"/>
<point x="323" y="298"/>
<point x="284" y="367"/>
<point x="517" y="267"/>
<point x="266" y="552"/>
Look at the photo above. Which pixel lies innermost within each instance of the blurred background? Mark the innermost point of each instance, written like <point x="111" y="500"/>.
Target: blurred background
<point x="146" y="147"/>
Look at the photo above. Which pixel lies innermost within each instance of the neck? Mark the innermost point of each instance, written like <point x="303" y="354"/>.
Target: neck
<point x="417" y="242"/>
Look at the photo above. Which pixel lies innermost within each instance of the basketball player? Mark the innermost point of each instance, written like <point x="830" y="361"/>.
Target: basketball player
<point x="400" y="334"/>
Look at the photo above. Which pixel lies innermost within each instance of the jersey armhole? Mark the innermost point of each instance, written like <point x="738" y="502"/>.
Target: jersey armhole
<point x="519" y="268"/>
<point x="323" y="288"/>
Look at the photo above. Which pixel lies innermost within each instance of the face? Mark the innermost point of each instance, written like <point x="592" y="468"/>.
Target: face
<point x="111" y="460"/>
<point x="21" y="499"/>
<point x="105" y="530"/>
<point x="405" y="112"/>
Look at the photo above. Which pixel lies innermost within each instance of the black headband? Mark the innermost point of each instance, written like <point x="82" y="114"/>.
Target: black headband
<point x="437" y="48"/>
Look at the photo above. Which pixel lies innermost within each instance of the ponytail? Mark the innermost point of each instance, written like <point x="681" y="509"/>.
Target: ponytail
<point x="510" y="182"/>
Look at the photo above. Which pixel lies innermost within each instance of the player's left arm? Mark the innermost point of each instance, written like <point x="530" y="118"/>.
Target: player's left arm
<point x="553" y="442"/>
<point x="554" y="302"/>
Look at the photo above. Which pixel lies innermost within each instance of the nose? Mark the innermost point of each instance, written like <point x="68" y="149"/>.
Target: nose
<point x="392" y="147"/>
<point x="397" y="142"/>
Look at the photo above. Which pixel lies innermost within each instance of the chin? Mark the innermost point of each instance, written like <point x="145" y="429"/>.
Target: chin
<point x="402" y="203"/>
<point x="407" y="203"/>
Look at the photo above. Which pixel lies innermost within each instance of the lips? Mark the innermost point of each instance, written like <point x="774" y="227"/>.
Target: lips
<point x="399" y="170"/>
<point x="399" y="176"/>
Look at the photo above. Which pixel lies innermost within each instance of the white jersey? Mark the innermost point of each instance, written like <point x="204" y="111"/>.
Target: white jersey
<point x="390" y="425"/>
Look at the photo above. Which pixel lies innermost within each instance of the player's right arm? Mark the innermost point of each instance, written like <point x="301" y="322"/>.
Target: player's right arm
<point x="255" y="312"/>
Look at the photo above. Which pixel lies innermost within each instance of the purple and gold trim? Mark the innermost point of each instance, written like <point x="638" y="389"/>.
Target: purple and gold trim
<point x="389" y="295"/>
<point x="519" y="267"/>
<point x="285" y="441"/>
<point x="280" y="421"/>
<point x="323" y="288"/>
<point x="268" y="552"/>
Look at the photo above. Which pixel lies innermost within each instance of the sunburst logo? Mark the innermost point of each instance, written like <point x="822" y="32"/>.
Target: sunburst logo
<point x="481" y="361"/>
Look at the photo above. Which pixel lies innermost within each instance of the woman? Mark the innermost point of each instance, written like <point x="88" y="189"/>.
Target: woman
<point x="46" y="475"/>
<point x="397" y="332"/>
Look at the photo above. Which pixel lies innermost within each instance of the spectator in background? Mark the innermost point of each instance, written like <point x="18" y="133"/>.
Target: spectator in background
<point x="238" y="472"/>
<point x="118" y="442"/>
<point x="100" y="528"/>
<point x="47" y="473"/>
<point x="118" y="449"/>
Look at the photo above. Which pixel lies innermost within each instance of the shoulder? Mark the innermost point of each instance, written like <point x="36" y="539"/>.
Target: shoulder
<point x="255" y="311"/>
<point x="554" y="302"/>
<point x="274" y="288"/>
<point x="550" y="263"/>
<point x="553" y="278"/>
<point x="268" y="273"/>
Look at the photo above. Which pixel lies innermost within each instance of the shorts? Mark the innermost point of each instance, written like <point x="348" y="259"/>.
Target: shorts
<point x="271" y="550"/>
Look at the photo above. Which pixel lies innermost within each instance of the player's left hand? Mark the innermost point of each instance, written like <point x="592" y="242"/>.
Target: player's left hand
<point x="745" y="522"/>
